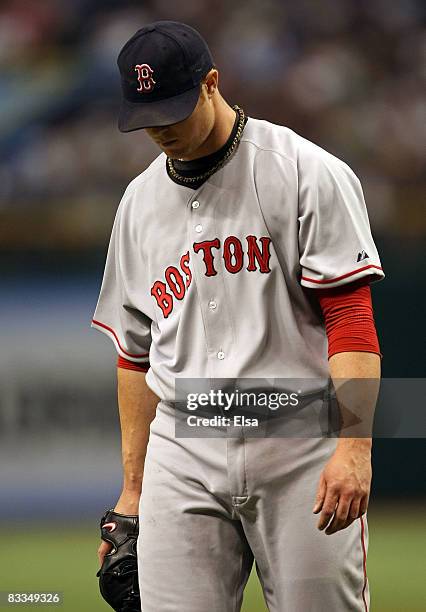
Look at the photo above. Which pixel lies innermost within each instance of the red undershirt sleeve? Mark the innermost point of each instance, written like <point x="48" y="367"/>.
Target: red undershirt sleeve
<point x="131" y="365"/>
<point x="348" y="317"/>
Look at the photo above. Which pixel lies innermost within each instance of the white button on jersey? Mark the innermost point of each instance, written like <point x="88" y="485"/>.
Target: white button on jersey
<point x="212" y="304"/>
<point x="198" y="228"/>
<point x="221" y="355"/>
<point x="195" y="204"/>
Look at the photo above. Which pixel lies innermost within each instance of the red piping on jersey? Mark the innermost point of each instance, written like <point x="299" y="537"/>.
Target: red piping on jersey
<point x="364" y="564"/>
<point x="118" y="341"/>
<point x="333" y="280"/>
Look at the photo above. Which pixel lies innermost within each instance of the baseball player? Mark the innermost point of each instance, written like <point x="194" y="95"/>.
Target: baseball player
<point x="242" y="252"/>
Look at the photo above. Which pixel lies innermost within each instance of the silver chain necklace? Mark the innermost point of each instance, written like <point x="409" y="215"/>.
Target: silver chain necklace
<point x="194" y="179"/>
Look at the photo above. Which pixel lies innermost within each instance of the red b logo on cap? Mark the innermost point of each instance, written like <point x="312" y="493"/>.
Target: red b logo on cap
<point x="146" y="82"/>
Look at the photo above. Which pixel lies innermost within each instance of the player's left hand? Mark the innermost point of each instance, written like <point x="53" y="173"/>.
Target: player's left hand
<point x="344" y="486"/>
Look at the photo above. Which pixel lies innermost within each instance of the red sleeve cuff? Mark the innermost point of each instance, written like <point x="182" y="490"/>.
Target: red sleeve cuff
<point x="349" y="320"/>
<point x="131" y="365"/>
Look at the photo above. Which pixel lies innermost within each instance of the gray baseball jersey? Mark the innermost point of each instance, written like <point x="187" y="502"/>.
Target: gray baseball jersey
<point x="211" y="283"/>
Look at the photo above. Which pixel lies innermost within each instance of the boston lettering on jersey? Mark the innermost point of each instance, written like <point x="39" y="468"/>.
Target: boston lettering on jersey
<point x="257" y="256"/>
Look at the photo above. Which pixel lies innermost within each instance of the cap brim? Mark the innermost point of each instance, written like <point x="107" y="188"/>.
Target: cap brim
<point x="139" y="115"/>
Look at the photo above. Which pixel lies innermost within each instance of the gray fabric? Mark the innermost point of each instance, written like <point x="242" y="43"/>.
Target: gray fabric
<point x="208" y="505"/>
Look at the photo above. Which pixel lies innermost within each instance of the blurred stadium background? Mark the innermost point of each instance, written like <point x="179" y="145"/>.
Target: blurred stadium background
<point x="348" y="75"/>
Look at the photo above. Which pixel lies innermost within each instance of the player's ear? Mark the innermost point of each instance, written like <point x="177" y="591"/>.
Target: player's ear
<point x="211" y="81"/>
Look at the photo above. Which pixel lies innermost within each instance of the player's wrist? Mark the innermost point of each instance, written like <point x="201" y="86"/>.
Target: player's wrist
<point x="354" y="445"/>
<point x="133" y="491"/>
<point x="128" y="502"/>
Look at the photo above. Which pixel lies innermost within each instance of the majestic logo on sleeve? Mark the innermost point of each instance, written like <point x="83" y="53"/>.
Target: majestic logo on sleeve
<point x="254" y="256"/>
<point x="146" y="82"/>
<point x="362" y="255"/>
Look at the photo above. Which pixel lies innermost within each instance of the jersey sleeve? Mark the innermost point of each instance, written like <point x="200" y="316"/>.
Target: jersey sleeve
<point x="117" y="314"/>
<point x="335" y="242"/>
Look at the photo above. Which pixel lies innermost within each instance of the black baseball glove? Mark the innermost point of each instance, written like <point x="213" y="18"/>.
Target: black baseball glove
<point x="118" y="576"/>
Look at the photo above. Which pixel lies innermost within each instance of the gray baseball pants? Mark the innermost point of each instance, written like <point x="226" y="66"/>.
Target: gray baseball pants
<point x="211" y="506"/>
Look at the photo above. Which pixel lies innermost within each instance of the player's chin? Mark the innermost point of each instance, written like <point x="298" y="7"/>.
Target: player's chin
<point x="172" y="148"/>
<point x="176" y="150"/>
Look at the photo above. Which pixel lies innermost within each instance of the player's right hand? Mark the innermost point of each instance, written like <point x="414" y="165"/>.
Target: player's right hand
<point x="104" y="549"/>
<point x="128" y="503"/>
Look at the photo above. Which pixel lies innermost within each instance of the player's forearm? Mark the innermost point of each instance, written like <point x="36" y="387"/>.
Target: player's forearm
<point x="356" y="378"/>
<point x="137" y="406"/>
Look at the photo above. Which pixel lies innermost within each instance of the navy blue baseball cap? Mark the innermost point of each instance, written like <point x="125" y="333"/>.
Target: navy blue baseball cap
<point x="161" y="69"/>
